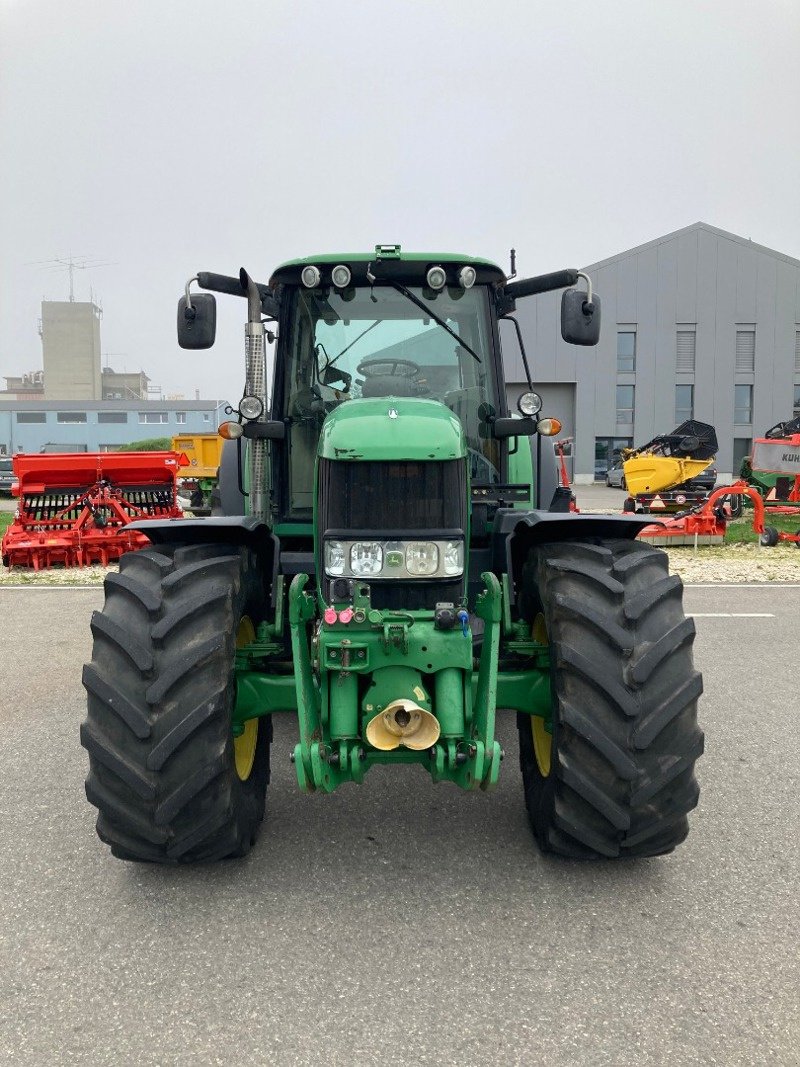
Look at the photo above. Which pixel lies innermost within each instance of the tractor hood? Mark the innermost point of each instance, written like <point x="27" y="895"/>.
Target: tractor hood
<point x="386" y="428"/>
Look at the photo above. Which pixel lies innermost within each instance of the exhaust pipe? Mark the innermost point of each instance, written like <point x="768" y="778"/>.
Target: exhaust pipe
<point x="256" y="385"/>
<point x="403" y="722"/>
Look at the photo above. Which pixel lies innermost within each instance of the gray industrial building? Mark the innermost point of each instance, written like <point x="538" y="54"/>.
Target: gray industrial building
<point x="699" y="323"/>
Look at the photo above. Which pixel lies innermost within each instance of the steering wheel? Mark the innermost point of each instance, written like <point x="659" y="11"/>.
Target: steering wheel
<point x="400" y="368"/>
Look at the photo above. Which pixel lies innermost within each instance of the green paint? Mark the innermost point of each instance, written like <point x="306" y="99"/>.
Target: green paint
<point x="520" y="470"/>
<point x="386" y="428"/>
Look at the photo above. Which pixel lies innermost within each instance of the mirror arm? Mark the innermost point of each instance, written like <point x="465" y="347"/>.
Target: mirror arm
<point x="588" y="306"/>
<point x="510" y="318"/>
<point x="189" y="305"/>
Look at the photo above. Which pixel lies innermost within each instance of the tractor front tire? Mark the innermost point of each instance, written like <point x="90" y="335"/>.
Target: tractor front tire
<point x="170" y="783"/>
<point x="613" y="775"/>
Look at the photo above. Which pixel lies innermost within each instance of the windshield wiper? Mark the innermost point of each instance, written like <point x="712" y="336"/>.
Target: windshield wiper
<point x="347" y="348"/>
<point x="436" y="318"/>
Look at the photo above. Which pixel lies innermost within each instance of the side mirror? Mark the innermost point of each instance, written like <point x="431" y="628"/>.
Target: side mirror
<point x="197" y="325"/>
<point x="580" y="318"/>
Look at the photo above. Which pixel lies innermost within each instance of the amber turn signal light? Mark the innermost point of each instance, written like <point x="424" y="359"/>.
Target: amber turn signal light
<point x="548" y="427"/>
<point x="230" y="430"/>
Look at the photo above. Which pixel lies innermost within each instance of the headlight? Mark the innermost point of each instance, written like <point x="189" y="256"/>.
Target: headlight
<point x="400" y="560"/>
<point x="436" y="277"/>
<point x="422" y="558"/>
<point x="366" y="558"/>
<point x="334" y="557"/>
<point x="340" y="276"/>
<point x="529" y="404"/>
<point x="467" y="276"/>
<point x="454" y="557"/>
<point x="251" y="407"/>
<point x="310" y="277"/>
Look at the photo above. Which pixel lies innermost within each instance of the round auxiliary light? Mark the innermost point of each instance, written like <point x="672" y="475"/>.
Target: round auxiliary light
<point x="529" y="404"/>
<point x="310" y="277"/>
<point x="340" y="276"/>
<point x="548" y="427"/>
<point x="230" y="430"/>
<point x="466" y="277"/>
<point x="436" y="278"/>
<point x="251" y="407"/>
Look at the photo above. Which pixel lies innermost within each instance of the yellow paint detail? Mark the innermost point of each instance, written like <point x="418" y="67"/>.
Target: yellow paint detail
<point x="539" y="630"/>
<point x="244" y="746"/>
<point x="542" y="745"/>
<point x="542" y="740"/>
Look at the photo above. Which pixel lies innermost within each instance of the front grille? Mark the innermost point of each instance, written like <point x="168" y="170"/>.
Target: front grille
<point x="400" y="498"/>
<point x="403" y="496"/>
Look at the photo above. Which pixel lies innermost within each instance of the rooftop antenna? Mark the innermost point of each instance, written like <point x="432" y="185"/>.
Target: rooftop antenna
<point x="513" y="257"/>
<point x="70" y="264"/>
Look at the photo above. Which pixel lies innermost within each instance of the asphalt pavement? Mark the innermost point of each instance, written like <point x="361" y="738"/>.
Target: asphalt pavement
<point x="401" y="922"/>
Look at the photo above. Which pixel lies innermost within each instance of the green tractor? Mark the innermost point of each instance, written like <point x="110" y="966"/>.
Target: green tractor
<point x="391" y="566"/>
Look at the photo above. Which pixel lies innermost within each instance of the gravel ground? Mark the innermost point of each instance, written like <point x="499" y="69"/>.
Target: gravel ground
<point x="710" y="563"/>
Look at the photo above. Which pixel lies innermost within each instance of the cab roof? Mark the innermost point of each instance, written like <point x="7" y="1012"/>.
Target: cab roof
<point x="388" y="263"/>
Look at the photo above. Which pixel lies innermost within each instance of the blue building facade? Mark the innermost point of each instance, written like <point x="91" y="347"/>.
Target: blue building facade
<point x="99" y="425"/>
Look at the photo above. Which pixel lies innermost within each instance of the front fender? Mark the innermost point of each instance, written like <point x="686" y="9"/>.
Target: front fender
<point x="236" y="530"/>
<point x="515" y="532"/>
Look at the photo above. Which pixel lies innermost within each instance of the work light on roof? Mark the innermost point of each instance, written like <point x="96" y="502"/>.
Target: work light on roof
<point x="310" y="277"/>
<point x="340" y="276"/>
<point x="436" y="278"/>
<point x="466" y="277"/>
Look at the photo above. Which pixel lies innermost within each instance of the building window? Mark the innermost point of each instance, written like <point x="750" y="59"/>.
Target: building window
<point x="153" y="416"/>
<point x="71" y="416"/>
<point x="796" y="405"/>
<point x="742" y="405"/>
<point x="797" y="352"/>
<point x="746" y="350"/>
<point x="684" y="403"/>
<point x="742" y="447"/>
<point x="31" y="416"/>
<point x="112" y="416"/>
<point x="206" y="416"/>
<point x="608" y="452"/>
<point x="626" y="351"/>
<point x="685" y="348"/>
<point x="180" y="417"/>
<point x="625" y="404"/>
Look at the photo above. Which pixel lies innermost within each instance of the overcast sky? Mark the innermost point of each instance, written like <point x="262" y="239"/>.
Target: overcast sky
<point x="166" y="137"/>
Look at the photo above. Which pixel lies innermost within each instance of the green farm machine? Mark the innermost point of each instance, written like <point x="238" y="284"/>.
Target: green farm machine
<point x="392" y="566"/>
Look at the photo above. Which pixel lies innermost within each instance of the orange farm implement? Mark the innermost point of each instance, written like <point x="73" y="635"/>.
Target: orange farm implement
<point x="74" y="509"/>
<point x="778" y="453"/>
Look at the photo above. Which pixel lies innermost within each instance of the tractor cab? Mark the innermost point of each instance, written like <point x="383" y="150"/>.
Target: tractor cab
<point x="387" y="335"/>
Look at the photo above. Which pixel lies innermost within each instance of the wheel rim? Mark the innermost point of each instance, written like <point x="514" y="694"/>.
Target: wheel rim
<point x="244" y="746"/>
<point x="542" y="739"/>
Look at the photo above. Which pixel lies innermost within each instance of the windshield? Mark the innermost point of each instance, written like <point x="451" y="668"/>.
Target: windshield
<point x="368" y="343"/>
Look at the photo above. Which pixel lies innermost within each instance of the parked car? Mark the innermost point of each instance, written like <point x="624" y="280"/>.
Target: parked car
<point x="707" y="479"/>
<point x="6" y="475"/>
<point x="615" y="475"/>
